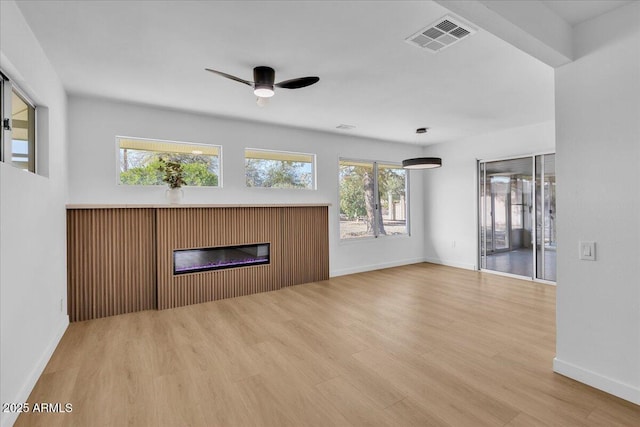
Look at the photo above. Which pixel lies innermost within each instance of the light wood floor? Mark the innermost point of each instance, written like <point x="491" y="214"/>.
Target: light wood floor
<point x="416" y="345"/>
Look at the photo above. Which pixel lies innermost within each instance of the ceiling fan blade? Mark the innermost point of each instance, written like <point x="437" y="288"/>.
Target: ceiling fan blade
<point x="229" y="76"/>
<point x="298" y="83"/>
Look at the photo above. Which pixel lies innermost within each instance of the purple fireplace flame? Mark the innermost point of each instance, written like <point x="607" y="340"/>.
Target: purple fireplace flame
<point x="204" y="259"/>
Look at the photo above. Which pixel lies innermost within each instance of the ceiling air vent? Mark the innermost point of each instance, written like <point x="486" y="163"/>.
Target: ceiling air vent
<point x="441" y="34"/>
<point x="345" y="127"/>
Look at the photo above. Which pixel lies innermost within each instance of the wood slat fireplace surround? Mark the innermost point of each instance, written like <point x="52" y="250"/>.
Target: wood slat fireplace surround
<point x="120" y="258"/>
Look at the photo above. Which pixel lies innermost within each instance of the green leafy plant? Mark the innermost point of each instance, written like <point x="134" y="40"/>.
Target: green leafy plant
<point x="173" y="174"/>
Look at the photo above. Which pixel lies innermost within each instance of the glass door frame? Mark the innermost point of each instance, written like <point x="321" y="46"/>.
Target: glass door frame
<point x="542" y="216"/>
<point x="507" y="209"/>
<point x="541" y="181"/>
<point x="481" y="211"/>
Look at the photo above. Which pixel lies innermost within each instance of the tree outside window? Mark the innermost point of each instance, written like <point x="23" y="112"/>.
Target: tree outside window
<point x="140" y="162"/>
<point x="279" y="169"/>
<point x="373" y="199"/>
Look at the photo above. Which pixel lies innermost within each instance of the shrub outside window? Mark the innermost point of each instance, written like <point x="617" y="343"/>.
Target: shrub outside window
<point x="279" y="169"/>
<point x="373" y="199"/>
<point x="139" y="161"/>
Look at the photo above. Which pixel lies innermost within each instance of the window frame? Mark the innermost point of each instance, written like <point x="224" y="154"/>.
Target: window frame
<point x="117" y="158"/>
<point x="314" y="168"/>
<point x="376" y="190"/>
<point x="7" y="88"/>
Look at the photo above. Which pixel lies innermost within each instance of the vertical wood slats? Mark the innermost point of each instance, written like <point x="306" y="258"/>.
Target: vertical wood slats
<point x="121" y="260"/>
<point x="305" y="248"/>
<point x="111" y="262"/>
<point x="187" y="228"/>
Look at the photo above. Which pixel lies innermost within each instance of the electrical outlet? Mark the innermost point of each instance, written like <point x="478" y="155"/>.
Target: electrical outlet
<point x="587" y="251"/>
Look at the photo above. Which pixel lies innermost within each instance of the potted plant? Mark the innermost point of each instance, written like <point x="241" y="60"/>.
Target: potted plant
<point x="173" y="175"/>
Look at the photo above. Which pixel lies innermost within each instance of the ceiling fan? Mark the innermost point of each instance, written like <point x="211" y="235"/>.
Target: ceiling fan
<point x="263" y="83"/>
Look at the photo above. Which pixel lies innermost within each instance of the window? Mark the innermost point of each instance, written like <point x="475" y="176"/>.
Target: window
<point x="140" y="160"/>
<point x="18" y="113"/>
<point x="279" y="169"/>
<point x="373" y="199"/>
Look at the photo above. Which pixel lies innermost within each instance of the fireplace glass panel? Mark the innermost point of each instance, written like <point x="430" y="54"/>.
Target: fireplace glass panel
<point x="204" y="259"/>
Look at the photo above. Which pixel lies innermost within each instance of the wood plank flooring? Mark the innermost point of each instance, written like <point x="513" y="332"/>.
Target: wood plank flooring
<point x="419" y="345"/>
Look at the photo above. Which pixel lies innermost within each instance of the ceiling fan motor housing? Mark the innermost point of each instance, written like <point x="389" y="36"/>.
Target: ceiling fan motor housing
<point x="263" y="77"/>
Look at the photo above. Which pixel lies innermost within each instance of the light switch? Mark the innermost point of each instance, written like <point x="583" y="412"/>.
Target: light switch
<point x="588" y="251"/>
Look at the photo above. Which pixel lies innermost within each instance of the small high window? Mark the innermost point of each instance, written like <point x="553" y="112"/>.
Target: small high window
<point x="279" y="169"/>
<point x="18" y="114"/>
<point x="140" y="161"/>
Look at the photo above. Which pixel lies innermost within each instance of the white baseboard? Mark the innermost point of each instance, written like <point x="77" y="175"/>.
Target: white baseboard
<point x="450" y="263"/>
<point x="9" y="418"/>
<point x="372" y="267"/>
<point x="611" y="386"/>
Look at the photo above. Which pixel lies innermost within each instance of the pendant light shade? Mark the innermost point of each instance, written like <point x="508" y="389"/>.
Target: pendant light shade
<point x="422" y="163"/>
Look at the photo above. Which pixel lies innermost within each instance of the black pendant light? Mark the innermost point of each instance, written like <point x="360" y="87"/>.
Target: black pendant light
<point x="422" y="162"/>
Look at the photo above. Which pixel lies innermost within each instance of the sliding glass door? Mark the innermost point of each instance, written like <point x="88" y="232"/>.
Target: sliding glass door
<point x="505" y="223"/>
<point x="517" y="208"/>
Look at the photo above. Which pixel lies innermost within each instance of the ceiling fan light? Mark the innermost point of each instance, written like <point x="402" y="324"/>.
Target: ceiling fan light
<point x="422" y="163"/>
<point x="263" y="91"/>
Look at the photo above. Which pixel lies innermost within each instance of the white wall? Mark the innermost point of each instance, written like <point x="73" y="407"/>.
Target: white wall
<point x="598" y="174"/>
<point x="94" y="124"/>
<point x="450" y="211"/>
<point x="32" y="223"/>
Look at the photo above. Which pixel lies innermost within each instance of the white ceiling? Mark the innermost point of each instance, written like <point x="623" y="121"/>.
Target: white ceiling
<point x="155" y="52"/>
<point x="577" y="11"/>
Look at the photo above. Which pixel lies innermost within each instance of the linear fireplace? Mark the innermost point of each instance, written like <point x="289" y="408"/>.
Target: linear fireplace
<point x="204" y="259"/>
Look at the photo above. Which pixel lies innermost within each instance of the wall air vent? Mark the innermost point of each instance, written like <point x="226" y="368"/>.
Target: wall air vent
<point x="443" y="33"/>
